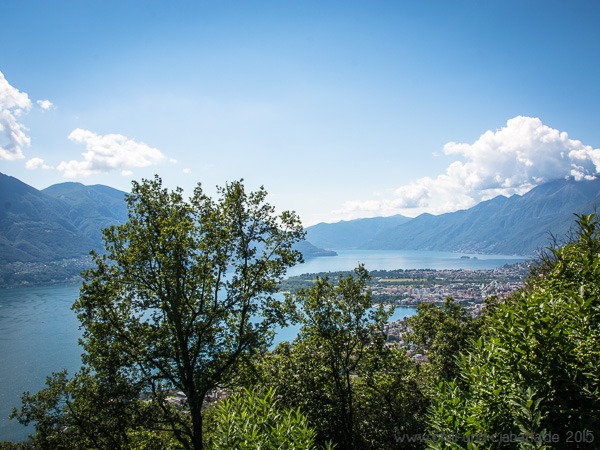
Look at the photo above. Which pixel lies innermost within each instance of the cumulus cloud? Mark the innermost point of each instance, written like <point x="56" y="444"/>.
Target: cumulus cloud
<point x="37" y="163"/>
<point x="511" y="160"/>
<point x="45" y="104"/>
<point x="108" y="153"/>
<point x="524" y="153"/>
<point x="12" y="104"/>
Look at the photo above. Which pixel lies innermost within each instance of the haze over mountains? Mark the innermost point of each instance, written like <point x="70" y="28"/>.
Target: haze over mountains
<point x="518" y="225"/>
<point x="64" y="221"/>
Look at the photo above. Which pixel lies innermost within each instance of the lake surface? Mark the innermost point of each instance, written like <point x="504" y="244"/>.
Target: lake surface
<point x="38" y="336"/>
<point x="39" y="332"/>
<point x="392" y="259"/>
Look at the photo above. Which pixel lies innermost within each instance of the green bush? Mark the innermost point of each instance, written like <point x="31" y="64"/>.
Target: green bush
<point x="535" y="373"/>
<point x="249" y="420"/>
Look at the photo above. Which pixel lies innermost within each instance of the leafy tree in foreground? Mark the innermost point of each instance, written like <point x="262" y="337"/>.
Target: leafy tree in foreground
<point x="182" y="295"/>
<point x="535" y="374"/>
<point x="15" y="446"/>
<point x="339" y="329"/>
<point x="442" y="333"/>
<point x="391" y="401"/>
<point x="355" y="392"/>
<point x="249" y="420"/>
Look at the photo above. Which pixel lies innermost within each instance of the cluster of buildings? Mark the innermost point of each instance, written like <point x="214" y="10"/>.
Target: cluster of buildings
<point x="179" y="399"/>
<point x="396" y="333"/>
<point x="467" y="287"/>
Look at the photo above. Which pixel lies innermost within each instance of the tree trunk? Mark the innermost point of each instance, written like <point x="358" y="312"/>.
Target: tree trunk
<point x="196" y="415"/>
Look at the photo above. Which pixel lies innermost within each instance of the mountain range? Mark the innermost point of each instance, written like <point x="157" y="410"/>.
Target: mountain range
<point x="516" y="225"/>
<point x="64" y="222"/>
<point x="352" y="233"/>
<point x="60" y="222"/>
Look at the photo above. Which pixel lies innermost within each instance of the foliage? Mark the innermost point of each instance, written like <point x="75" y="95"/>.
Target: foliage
<point x="390" y="400"/>
<point x="90" y="412"/>
<point x="441" y="333"/>
<point x="536" y="371"/>
<point x="249" y="420"/>
<point x="15" y="445"/>
<point x="184" y="293"/>
<point x="339" y="329"/>
<point x="354" y="390"/>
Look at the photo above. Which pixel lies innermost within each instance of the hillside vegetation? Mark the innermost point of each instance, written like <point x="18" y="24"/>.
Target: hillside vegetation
<point x="61" y="222"/>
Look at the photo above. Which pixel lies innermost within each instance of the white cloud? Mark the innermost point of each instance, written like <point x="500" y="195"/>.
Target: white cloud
<point x="511" y="160"/>
<point x="45" y="104"/>
<point x="12" y="104"/>
<point x="187" y="170"/>
<point x="107" y="153"/>
<point x="37" y="163"/>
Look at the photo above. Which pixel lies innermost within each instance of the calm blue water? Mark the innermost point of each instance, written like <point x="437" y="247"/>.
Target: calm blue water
<point x="390" y="259"/>
<point x="38" y="336"/>
<point x="39" y="332"/>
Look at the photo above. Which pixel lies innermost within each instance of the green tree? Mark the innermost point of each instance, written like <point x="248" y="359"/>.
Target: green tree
<point x="97" y="411"/>
<point x="15" y="446"/>
<point x="536" y="370"/>
<point x="340" y="327"/>
<point x="391" y="401"/>
<point x="441" y="333"/>
<point x="184" y="292"/>
<point x="249" y="420"/>
<point x="337" y="354"/>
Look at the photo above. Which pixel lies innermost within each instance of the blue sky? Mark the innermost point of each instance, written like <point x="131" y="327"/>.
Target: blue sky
<point x="341" y="109"/>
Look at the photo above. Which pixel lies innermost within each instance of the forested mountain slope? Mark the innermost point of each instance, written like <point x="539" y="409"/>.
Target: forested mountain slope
<point x="516" y="225"/>
<point x="35" y="226"/>
<point x="64" y="221"/>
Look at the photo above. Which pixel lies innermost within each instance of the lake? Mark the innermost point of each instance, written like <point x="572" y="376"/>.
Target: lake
<point x="39" y="332"/>
<point x="408" y="259"/>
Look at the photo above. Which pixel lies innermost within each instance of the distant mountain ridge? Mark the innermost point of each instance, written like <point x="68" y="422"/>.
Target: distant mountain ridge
<point x="65" y="221"/>
<point x="518" y="225"/>
<point x="91" y="208"/>
<point x="38" y="226"/>
<point x="352" y="233"/>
